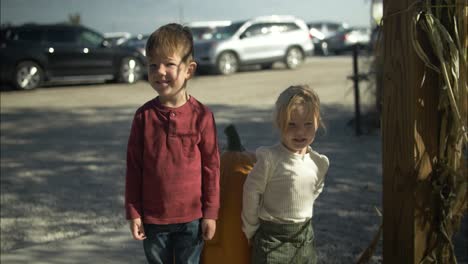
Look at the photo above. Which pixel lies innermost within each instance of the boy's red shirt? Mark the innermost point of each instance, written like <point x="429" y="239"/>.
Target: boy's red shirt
<point x="172" y="164"/>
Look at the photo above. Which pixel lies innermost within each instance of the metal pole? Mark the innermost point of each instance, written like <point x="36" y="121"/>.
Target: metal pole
<point x="357" y="109"/>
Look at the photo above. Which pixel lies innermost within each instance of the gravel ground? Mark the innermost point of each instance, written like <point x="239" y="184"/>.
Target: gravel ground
<point x="63" y="157"/>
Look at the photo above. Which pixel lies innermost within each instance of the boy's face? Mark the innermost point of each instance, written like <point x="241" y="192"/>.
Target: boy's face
<point x="168" y="74"/>
<point x="300" y="131"/>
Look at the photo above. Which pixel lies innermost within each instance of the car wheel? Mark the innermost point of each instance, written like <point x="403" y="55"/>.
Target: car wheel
<point x="227" y="63"/>
<point x="28" y="75"/>
<point x="130" y="70"/>
<point x="294" y="57"/>
<point x="324" y="48"/>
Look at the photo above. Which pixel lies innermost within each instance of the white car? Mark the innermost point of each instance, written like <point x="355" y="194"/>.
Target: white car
<point x="262" y="41"/>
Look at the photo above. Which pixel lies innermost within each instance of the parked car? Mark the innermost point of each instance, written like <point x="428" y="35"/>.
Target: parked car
<point x="344" y="40"/>
<point x="31" y="55"/>
<point x="262" y="41"/>
<point x="319" y="30"/>
<point x="206" y="29"/>
<point x="137" y="42"/>
<point x="117" y="38"/>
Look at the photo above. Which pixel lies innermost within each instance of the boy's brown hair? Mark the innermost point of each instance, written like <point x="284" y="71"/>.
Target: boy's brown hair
<point x="170" y="39"/>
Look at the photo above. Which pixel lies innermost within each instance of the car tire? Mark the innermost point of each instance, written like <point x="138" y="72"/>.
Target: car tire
<point x="28" y="76"/>
<point x="293" y="58"/>
<point x="227" y="63"/>
<point x="324" y="48"/>
<point x="130" y="71"/>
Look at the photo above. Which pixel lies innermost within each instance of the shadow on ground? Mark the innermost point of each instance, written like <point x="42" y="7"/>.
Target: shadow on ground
<point x="63" y="173"/>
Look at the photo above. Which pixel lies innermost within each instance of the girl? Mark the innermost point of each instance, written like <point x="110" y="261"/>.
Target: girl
<point x="280" y="191"/>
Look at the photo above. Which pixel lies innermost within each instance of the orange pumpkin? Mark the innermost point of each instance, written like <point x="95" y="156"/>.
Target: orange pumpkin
<point x="229" y="244"/>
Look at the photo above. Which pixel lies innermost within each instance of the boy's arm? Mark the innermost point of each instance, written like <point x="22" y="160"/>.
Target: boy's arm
<point x="210" y="169"/>
<point x="208" y="228"/>
<point x="133" y="204"/>
<point x="137" y="229"/>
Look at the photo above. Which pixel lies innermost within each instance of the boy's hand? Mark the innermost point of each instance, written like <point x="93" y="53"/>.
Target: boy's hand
<point x="137" y="229"/>
<point x="208" y="228"/>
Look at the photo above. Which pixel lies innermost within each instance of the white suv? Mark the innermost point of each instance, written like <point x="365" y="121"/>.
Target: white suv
<point x="262" y="40"/>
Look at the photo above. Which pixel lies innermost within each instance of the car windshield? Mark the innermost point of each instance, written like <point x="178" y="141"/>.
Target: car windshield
<point x="227" y="32"/>
<point x="202" y="32"/>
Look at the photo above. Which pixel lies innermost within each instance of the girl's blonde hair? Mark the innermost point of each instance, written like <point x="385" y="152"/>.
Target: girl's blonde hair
<point x="293" y="97"/>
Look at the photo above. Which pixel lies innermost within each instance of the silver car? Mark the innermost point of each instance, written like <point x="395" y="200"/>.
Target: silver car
<point x="262" y="41"/>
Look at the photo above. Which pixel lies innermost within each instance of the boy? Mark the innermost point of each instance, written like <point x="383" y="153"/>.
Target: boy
<point x="172" y="180"/>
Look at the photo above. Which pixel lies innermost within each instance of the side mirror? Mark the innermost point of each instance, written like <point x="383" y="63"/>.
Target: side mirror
<point x="105" y="44"/>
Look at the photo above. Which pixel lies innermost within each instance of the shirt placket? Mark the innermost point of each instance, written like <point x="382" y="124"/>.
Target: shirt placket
<point x="172" y="124"/>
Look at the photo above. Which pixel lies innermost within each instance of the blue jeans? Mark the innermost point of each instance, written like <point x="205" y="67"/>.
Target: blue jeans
<point x="180" y="242"/>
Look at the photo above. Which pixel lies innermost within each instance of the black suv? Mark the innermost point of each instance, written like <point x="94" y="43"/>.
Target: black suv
<point x="31" y="55"/>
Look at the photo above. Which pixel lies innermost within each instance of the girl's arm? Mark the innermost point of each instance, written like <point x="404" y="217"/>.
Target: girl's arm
<point x="254" y="187"/>
<point x="322" y="164"/>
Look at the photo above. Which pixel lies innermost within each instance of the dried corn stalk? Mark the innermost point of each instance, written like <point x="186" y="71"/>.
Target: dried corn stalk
<point x="449" y="179"/>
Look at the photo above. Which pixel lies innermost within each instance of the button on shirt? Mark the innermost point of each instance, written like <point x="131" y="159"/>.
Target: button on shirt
<point x="172" y="164"/>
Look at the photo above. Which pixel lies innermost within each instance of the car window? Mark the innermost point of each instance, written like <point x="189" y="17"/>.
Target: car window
<point x="61" y="35"/>
<point x="315" y="25"/>
<point x="285" y="27"/>
<point x="258" y="29"/>
<point x="227" y="32"/>
<point x="24" y="34"/>
<point x="136" y="42"/>
<point x="334" y="27"/>
<point x="202" y="32"/>
<point x="89" y="38"/>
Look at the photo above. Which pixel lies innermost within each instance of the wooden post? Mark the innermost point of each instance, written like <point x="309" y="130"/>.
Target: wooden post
<point x="409" y="134"/>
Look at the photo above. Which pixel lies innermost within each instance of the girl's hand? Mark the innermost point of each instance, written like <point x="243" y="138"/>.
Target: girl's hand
<point x="137" y="229"/>
<point x="208" y="228"/>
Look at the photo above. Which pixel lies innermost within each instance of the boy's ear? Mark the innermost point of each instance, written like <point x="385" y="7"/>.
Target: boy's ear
<point x="192" y="67"/>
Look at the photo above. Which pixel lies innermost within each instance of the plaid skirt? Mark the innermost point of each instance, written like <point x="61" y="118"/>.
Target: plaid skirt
<point x="284" y="244"/>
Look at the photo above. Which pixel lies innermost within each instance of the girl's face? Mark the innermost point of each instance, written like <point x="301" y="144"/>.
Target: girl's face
<point x="300" y="131"/>
<point x="168" y="74"/>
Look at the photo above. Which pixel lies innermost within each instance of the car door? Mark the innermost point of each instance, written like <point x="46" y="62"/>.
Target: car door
<point x="98" y="58"/>
<point x="286" y="34"/>
<point x="256" y="43"/>
<point x="65" y="57"/>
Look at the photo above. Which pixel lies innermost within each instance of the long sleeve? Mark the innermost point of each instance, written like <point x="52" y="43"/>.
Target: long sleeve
<point x="322" y="167"/>
<point x="172" y="164"/>
<point x="133" y="178"/>
<point x="254" y="187"/>
<point x="210" y="169"/>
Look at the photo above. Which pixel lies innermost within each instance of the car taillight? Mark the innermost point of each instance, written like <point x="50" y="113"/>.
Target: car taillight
<point x="345" y="37"/>
<point x="310" y="36"/>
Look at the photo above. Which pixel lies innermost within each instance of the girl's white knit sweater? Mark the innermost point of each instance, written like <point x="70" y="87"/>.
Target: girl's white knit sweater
<point x="282" y="187"/>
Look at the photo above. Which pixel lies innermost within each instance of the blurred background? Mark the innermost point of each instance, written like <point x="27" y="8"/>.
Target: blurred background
<point x="63" y="142"/>
<point x="39" y="38"/>
<point x="143" y="16"/>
